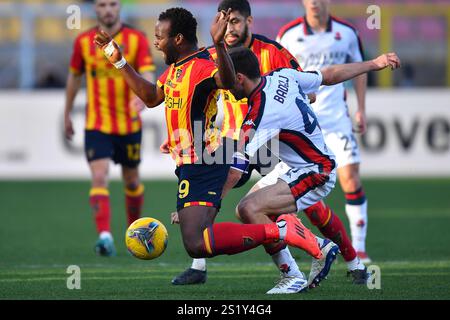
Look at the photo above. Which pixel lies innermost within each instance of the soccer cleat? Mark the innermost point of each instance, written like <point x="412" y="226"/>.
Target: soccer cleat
<point x="105" y="247"/>
<point x="363" y="257"/>
<point x="294" y="233"/>
<point x="321" y="267"/>
<point x="289" y="284"/>
<point x="360" y="276"/>
<point x="190" y="276"/>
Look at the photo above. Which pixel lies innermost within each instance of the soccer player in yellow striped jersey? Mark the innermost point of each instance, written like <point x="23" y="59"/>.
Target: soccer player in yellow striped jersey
<point x="113" y="125"/>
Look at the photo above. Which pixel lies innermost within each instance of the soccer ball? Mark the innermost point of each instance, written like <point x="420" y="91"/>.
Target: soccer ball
<point x="146" y="238"/>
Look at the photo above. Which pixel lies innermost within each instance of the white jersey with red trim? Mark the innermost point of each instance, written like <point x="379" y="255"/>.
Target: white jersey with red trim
<point x="280" y="106"/>
<point x="339" y="44"/>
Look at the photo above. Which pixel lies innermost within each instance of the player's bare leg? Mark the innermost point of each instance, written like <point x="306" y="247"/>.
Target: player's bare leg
<point x="196" y="274"/>
<point x="134" y="193"/>
<point x="100" y="203"/>
<point x="356" y="207"/>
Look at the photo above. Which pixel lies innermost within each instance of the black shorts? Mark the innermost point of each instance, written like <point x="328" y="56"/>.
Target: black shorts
<point x="201" y="185"/>
<point x="123" y="149"/>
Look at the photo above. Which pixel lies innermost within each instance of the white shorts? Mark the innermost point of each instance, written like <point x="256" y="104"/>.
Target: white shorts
<point x="307" y="186"/>
<point x="344" y="145"/>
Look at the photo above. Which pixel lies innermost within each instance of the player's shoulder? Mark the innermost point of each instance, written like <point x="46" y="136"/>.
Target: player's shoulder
<point x="211" y="49"/>
<point x="289" y="26"/>
<point x="263" y="41"/>
<point x="203" y="56"/>
<point x="344" y="25"/>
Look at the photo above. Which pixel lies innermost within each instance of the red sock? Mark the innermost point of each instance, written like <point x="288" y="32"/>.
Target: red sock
<point x="99" y="201"/>
<point x="232" y="238"/>
<point x="134" y="201"/>
<point x="330" y="225"/>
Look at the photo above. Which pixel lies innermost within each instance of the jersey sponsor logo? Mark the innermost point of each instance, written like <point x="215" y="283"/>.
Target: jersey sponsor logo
<point x="282" y="90"/>
<point x="338" y="36"/>
<point x="322" y="59"/>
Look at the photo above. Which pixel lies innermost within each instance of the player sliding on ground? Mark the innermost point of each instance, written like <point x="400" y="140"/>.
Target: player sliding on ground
<point x="188" y="88"/>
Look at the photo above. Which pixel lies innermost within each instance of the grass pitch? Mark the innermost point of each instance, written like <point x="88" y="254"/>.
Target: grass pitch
<point x="47" y="226"/>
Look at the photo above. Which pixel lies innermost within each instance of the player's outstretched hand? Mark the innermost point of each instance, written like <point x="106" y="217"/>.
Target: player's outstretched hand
<point x="219" y="26"/>
<point x="68" y="128"/>
<point x="387" y="60"/>
<point x="110" y="48"/>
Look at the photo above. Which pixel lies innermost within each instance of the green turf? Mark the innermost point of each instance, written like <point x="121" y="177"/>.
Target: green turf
<point x="47" y="226"/>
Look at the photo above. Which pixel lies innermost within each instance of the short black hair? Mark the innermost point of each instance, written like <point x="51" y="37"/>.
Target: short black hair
<point x="181" y="22"/>
<point x="236" y="5"/>
<point x="245" y="62"/>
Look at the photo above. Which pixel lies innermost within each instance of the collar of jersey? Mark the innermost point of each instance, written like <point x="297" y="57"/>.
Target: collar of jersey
<point x="200" y="53"/>
<point x="307" y="28"/>
<point x="258" y="89"/>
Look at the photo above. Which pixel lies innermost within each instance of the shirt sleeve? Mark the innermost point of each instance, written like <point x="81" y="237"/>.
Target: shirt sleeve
<point x="355" y="53"/>
<point x="77" y="61"/>
<point x="144" y="60"/>
<point x="162" y="79"/>
<point x="309" y="81"/>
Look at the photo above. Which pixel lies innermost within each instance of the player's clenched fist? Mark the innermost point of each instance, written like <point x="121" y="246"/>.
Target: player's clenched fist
<point x="387" y="60"/>
<point x="110" y="48"/>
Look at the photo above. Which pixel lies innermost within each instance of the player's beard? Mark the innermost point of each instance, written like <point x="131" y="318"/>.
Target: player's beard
<point x="170" y="54"/>
<point x="241" y="39"/>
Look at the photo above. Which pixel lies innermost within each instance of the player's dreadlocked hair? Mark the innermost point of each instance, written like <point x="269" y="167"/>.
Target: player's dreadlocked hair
<point x="181" y="21"/>
<point x="236" y="5"/>
<point x="245" y="62"/>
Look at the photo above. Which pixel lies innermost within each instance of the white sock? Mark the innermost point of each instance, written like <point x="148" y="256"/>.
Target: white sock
<point x="355" y="264"/>
<point x="199" y="264"/>
<point x="357" y="216"/>
<point x="285" y="262"/>
<point x="105" y="235"/>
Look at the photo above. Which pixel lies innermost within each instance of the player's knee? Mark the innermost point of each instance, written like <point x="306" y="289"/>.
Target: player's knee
<point x="317" y="214"/>
<point x="352" y="184"/>
<point x="195" y="249"/>
<point x="350" y="180"/>
<point x="246" y="210"/>
<point x="99" y="179"/>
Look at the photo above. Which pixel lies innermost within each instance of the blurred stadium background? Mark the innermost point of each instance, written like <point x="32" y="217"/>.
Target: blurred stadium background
<point x="406" y="151"/>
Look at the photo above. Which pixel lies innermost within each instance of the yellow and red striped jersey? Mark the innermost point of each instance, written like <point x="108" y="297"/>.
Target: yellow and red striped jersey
<point x="108" y="95"/>
<point x="191" y="107"/>
<point x="271" y="56"/>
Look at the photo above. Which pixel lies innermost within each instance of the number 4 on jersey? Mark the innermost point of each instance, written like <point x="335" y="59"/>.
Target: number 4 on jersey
<point x="306" y="112"/>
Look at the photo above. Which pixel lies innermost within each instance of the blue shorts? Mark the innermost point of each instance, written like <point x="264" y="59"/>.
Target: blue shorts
<point x="201" y="185"/>
<point x="122" y="149"/>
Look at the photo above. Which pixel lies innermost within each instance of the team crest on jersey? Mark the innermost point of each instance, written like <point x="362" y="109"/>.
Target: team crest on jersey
<point x="338" y="36"/>
<point x="178" y="74"/>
